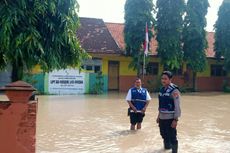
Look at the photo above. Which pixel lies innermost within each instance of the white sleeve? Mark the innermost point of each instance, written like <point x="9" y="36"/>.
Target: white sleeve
<point x="148" y="96"/>
<point x="128" y="97"/>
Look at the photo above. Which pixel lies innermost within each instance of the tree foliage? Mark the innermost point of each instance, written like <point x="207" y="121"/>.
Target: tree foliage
<point x="137" y="13"/>
<point x="39" y="32"/>
<point x="194" y="34"/>
<point x="169" y="27"/>
<point x="222" y="34"/>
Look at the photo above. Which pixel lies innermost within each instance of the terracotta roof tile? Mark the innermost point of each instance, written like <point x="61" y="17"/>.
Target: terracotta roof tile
<point x="95" y="37"/>
<point x="211" y="39"/>
<point x="116" y="29"/>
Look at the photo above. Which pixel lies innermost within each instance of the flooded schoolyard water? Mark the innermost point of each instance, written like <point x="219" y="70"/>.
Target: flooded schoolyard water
<point x="99" y="124"/>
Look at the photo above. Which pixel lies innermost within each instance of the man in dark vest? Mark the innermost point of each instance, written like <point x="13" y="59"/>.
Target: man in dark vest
<point x="169" y="111"/>
<point x="138" y="99"/>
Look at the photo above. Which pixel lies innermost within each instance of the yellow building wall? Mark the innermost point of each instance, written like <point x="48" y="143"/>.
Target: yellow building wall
<point x="124" y="62"/>
<point x="105" y="68"/>
<point x="124" y="69"/>
<point x="36" y="69"/>
<point x="207" y="71"/>
<point x="123" y="65"/>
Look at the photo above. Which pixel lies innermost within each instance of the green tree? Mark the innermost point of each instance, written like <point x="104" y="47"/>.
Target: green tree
<point x="222" y="34"/>
<point x="194" y="36"/>
<point x="169" y="25"/>
<point x="39" y="32"/>
<point x="137" y="14"/>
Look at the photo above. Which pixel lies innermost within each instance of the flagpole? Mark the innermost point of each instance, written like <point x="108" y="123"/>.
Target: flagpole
<point x="145" y="49"/>
<point x="143" y="71"/>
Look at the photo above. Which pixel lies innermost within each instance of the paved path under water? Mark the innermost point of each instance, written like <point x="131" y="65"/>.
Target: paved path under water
<point x="99" y="124"/>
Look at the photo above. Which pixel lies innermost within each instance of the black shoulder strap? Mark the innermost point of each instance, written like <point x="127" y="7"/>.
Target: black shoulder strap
<point x="173" y="86"/>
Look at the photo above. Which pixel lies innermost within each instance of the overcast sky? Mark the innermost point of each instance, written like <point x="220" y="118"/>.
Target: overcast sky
<point x="113" y="10"/>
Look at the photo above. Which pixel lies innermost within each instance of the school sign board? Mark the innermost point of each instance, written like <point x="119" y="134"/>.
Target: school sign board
<point x="67" y="81"/>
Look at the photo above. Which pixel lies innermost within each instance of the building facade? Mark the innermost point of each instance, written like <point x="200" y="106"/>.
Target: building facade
<point x="104" y="42"/>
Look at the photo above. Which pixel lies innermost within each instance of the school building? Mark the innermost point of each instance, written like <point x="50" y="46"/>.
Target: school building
<point x="105" y="43"/>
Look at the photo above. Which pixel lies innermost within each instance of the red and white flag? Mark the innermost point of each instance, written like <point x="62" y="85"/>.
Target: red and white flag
<point x="146" y="49"/>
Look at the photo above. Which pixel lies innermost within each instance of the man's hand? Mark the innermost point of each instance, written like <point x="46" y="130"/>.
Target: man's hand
<point x="143" y="110"/>
<point x="157" y="120"/>
<point x="174" y="124"/>
<point x="134" y="109"/>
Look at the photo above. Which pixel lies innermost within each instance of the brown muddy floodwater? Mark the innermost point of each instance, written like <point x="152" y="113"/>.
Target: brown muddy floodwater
<point x="99" y="124"/>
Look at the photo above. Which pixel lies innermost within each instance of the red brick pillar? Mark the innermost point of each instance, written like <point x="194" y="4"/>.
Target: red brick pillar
<point x="18" y="119"/>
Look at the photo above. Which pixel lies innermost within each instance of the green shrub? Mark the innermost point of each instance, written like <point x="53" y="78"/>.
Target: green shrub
<point x="98" y="86"/>
<point x="226" y="87"/>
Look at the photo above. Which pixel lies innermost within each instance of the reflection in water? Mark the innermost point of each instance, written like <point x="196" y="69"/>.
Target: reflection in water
<point x="99" y="124"/>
